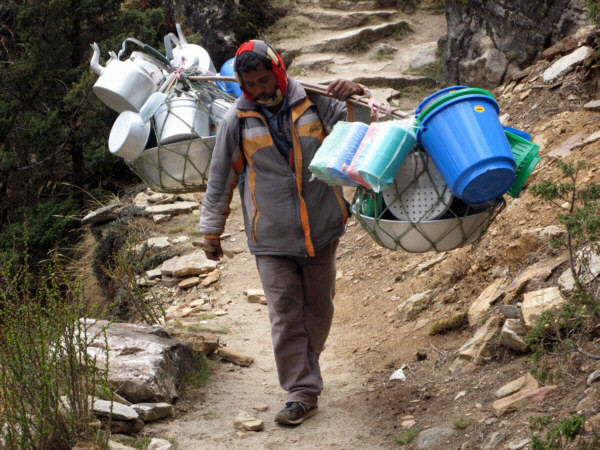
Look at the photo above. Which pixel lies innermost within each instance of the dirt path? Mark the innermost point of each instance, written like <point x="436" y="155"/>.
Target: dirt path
<point x="206" y="419"/>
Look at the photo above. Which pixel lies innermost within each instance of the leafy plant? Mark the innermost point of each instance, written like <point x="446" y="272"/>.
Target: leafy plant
<point x="445" y="325"/>
<point x="131" y="300"/>
<point x="462" y="422"/>
<point x="578" y="204"/>
<point x="593" y="10"/>
<point x="47" y="378"/>
<point x="406" y="436"/>
<point x="559" y="434"/>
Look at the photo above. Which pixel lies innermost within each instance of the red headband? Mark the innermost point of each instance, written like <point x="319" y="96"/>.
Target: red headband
<point x="266" y="51"/>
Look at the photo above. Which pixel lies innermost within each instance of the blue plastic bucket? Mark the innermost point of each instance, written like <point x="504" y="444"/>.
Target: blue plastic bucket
<point x="521" y="133"/>
<point x="229" y="87"/>
<point x="421" y="106"/>
<point x="468" y="145"/>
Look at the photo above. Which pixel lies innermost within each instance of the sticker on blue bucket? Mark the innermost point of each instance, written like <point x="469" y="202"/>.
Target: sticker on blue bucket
<point x="467" y="143"/>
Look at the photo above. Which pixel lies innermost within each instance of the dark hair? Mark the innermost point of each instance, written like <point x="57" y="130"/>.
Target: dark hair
<point x="247" y="61"/>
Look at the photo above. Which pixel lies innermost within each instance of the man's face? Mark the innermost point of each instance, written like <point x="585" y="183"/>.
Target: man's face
<point x="261" y="83"/>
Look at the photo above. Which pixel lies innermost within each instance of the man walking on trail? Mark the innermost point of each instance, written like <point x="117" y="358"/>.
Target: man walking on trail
<point x="293" y="224"/>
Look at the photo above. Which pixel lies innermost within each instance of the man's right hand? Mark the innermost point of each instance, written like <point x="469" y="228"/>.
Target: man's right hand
<point x="212" y="249"/>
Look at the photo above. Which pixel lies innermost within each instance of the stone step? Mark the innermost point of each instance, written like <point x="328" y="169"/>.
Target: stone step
<point x="352" y="38"/>
<point x="351" y="5"/>
<point x="337" y="42"/>
<point x="343" y="20"/>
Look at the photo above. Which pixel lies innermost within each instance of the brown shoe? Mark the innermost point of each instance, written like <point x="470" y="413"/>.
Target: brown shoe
<point x="295" y="413"/>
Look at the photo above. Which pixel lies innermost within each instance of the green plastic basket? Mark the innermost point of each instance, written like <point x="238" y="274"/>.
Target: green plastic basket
<point x="526" y="158"/>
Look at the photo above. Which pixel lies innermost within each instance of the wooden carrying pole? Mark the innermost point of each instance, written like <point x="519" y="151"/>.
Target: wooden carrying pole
<point x="363" y="101"/>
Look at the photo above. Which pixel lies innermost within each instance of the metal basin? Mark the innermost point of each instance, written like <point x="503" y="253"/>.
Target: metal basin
<point x="439" y="235"/>
<point x="174" y="168"/>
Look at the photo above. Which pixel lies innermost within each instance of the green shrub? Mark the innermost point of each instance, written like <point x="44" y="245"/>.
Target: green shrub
<point x="44" y="226"/>
<point x="406" y="436"/>
<point x="445" y="325"/>
<point x="578" y="206"/>
<point x="47" y="378"/>
<point x="559" y="434"/>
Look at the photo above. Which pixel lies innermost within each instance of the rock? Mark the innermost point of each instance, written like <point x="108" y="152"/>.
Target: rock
<point x="159" y="243"/>
<point x="114" y="445"/>
<point x="426" y="54"/>
<point x="434" y="437"/>
<point x="493" y="440"/>
<point x="593" y="377"/>
<point x="518" y="30"/>
<point x="566" y="282"/>
<point x="539" y="271"/>
<point x="477" y="347"/>
<point x="588" y="405"/>
<point x="410" y="308"/>
<point x="201" y="342"/>
<point x="173" y="208"/>
<point x="536" y="302"/>
<point x="235" y="357"/>
<point x="159" y="444"/>
<point x="146" y="364"/>
<point x="211" y="278"/>
<point x="194" y="263"/>
<point x="383" y="49"/>
<point x="152" y="274"/>
<point x="461" y="367"/>
<point x="161" y="218"/>
<point x="189" y="282"/>
<point x="592" y="423"/>
<point x="481" y="306"/>
<point x="261" y="407"/>
<point x="430" y="263"/>
<point x="511" y="312"/>
<point x="180" y="240"/>
<point x="408" y="423"/>
<point x="127" y="427"/>
<point x="512" y="335"/>
<point x="594" y="105"/>
<point x="150" y="412"/>
<point x="520" y="400"/>
<point x="117" y="411"/>
<point x="566" y="63"/>
<point x="256" y="296"/>
<point x="525" y="382"/>
<point x="512" y="445"/>
<point x="103" y="214"/>
<point x="398" y="375"/>
<point x="158" y="198"/>
<point x="245" y="421"/>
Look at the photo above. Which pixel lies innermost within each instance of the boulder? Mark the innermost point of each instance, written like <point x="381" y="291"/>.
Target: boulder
<point x="145" y="362"/>
<point x="489" y="41"/>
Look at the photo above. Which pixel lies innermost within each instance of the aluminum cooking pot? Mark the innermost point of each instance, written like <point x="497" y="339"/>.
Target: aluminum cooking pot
<point x="188" y="55"/>
<point x="121" y="85"/>
<point x="181" y="118"/>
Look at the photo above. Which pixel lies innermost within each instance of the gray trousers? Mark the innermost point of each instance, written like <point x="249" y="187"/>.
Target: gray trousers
<point x="299" y="294"/>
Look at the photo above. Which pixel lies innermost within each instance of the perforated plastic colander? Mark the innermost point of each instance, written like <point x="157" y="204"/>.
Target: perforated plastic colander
<point x="419" y="192"/>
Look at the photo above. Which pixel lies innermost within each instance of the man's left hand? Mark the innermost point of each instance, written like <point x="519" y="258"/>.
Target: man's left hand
<point x="341" y="89"/>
